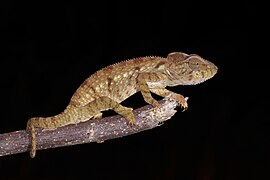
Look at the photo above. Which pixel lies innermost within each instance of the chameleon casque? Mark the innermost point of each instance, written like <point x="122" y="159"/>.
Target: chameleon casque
<point x="108" y="87"/>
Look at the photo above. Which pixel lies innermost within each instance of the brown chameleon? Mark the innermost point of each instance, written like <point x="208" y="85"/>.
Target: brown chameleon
<point x="108" y="87"/>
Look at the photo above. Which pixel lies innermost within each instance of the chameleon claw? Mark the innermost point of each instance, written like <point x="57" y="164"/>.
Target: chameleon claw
<point x="181" y="100"/>
<point x="184" y="105"/>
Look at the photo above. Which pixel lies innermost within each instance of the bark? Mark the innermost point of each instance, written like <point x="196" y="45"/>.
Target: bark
<point x="97" y="130"/>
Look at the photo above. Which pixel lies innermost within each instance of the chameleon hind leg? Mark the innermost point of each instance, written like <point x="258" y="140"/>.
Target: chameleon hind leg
<point x="74" y="116"/>
<point x="104" y="103"/>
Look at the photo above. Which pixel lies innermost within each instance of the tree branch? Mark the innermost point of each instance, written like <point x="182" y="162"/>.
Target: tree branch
<point x="97" y="130"/>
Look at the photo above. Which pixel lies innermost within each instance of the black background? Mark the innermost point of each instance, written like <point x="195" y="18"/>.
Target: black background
<point x="48" y="49"/>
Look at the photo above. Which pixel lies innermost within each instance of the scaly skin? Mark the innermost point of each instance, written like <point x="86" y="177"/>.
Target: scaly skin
<point x="108" y="87"/>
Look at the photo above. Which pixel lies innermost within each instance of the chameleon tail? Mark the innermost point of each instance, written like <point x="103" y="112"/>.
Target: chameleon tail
<point x="30" y="128"/>
<point x="46" y="123"/>
<point x="69" y="116"/>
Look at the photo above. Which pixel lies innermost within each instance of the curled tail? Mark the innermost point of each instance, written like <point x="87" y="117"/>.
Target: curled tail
<point x="30" y="128"/>
<point x="38" y="122"/>
<point x="71" y="115"/>
<point x="48" y="123"/>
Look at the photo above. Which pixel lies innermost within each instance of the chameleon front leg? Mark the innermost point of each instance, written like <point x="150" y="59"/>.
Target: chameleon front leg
<point x="145" y="90"/>
<point x="181" y="100"/>
<point x="143" y="87"/>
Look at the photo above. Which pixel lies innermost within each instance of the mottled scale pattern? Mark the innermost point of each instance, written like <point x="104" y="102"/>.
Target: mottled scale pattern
<point x="117" y="81"/>
<point x="108" y="87"/>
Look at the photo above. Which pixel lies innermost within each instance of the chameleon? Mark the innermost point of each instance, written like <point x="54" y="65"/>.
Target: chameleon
<point x="108" y="87"/>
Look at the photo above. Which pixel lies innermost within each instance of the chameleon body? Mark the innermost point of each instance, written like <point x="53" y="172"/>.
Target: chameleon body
<point x="108" y="87"/>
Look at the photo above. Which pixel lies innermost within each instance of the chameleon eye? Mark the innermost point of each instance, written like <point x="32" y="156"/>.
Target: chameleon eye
<point x="194" y="63"/>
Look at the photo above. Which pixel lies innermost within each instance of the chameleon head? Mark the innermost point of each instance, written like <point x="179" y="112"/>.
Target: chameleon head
<point x="187" y="69"/>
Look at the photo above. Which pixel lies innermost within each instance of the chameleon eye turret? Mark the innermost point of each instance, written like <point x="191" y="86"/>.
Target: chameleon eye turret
<point x="189" y="69"/>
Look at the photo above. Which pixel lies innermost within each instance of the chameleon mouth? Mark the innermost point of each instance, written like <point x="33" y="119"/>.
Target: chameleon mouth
<point x="205" y="75"/>
<point x="197" y="77"/>
<point x="170" y="75"/>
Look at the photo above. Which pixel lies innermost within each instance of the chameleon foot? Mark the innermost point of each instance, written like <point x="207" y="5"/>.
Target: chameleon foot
<point x="128" y="114"/>
<point x="181" y="100"/>
<point x="156" y="104"/>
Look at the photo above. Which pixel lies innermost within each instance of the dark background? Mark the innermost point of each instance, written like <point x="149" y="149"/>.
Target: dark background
<point x="48" y="49"/>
